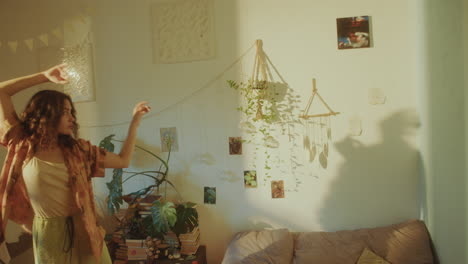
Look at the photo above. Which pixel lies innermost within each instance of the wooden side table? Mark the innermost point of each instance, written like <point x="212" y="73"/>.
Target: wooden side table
<point x="200" y="258"/>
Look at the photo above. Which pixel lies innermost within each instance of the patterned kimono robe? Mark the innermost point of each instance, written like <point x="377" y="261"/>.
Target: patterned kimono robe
<point x="83" y="162"/>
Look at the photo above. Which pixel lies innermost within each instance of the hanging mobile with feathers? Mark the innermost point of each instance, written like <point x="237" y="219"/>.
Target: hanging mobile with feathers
<point x="317" y="130"/>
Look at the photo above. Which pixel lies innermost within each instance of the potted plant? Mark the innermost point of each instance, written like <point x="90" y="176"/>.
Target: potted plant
<point x="164" y="216"/>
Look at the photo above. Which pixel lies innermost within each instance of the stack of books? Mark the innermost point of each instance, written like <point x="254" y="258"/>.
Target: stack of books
<point x="136" y="249"/>
<point x="117" y="247"/>
<point x="121" y="255"/>
<point x="144" y="205"/>
<point x="190" y="242"/>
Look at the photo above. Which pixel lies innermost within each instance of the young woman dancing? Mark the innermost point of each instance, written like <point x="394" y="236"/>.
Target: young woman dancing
<point x="45" y="183"/>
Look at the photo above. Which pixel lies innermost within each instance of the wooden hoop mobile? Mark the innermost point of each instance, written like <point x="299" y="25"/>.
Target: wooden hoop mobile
<point x="317" y="129"/>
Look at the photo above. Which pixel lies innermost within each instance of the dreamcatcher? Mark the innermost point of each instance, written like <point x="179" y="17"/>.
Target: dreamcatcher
<point x="317" y="135"/>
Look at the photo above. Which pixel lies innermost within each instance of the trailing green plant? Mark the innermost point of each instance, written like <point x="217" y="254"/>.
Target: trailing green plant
<point x="165" y="215"/>
<point x="260" y="99"/>
<point x="260" y="109"/>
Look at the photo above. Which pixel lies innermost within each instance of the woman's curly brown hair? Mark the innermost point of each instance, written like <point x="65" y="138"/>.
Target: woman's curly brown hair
<point x="41" y="118"/>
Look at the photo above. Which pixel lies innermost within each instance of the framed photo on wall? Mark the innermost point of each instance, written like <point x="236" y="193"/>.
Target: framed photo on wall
<point x="80" y="69"/>
<point x="353" y="32"/>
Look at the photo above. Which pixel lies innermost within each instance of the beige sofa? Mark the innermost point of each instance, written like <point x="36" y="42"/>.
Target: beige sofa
<point x="404" y="243"/>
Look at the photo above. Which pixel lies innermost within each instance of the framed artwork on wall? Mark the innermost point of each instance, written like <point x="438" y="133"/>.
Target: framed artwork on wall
<point x="209" y="196"/>
<point x="353" y="32"/>
<point x="80" y="70"/>
<point x="183" y="30"/>
<point x="80" y="61"/>
<point x="277" y="189"/>
<point x="235" y="146"/>
<point x="169" y="139"/>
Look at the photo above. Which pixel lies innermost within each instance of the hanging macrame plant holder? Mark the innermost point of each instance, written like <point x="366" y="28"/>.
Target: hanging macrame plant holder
<point x="317" y="129"/>
<point x="261" y="77"/>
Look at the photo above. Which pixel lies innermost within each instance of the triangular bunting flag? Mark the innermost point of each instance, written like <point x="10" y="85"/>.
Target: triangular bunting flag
<point x="90" y="11"/>
<point x="44" y="38"/>
<point x="29" y="43"/>
<point x="68" y="25"/>
<point x="13" y="45"/>
<point x="57" y="32"/>
<point x="83" y="19"/>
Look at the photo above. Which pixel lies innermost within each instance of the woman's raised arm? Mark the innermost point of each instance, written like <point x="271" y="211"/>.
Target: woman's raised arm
<point x="122" y="160"/>
<point x="8" y="88"/>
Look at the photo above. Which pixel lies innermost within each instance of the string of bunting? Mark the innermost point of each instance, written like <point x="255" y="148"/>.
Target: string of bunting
<point x="183" y="99"/>
<point x="43" y="38"/>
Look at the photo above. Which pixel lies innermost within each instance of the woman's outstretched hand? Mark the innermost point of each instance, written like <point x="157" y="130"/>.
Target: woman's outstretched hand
<point x="140" y="110"/>
<point x="122" y="160"/>
<point x="57" y="74"/>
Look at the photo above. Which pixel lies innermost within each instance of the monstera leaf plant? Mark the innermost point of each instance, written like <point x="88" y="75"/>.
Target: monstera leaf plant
<point x="165" y="215"/>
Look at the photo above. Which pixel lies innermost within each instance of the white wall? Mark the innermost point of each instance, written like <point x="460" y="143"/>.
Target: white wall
<point x="371" y="180"/>
<point x="465" y="67"/>
<point x="443" y="137"/>
<point x="465" y="51"/>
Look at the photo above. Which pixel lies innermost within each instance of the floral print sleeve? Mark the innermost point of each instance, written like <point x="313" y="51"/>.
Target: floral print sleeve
<point x="8" y="128"/>
<point x="95" y="155"/>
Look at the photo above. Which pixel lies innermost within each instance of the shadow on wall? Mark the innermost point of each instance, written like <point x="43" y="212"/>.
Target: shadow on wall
<point x="21" y="251"/>
<point x="378" y="184"/>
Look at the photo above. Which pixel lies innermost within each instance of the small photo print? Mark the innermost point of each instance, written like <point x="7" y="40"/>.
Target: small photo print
<point x="353" y="32"/>
<point x="210" y="195"/>
<point x="169" y="139"/>
<point x="235" y="146"/>
<point x="250" y="179"/>
<point x="277" y="189"/>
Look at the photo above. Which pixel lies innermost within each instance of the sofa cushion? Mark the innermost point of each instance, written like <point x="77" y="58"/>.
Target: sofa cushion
<point x="261" y="247"/>
<point x="405" y="243"/>
<point x="369" y="257"/>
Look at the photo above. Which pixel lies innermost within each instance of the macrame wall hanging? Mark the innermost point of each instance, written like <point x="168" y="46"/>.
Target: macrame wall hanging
<point x="264" y="108"/>
<point x="261" y="76"/>
<point x="263" y="103"/>
<point x="318" y="132"/>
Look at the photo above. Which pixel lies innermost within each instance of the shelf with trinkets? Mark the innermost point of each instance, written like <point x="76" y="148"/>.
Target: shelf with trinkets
<point x="153" y="250"/>
<point x="128" y="245"/>
<point x="198" y="258"/>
